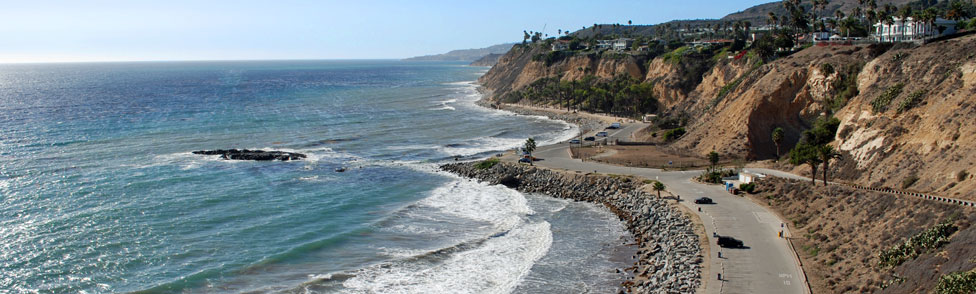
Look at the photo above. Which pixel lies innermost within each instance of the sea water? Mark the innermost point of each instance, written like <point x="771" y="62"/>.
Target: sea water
<point x="100" y="192"/>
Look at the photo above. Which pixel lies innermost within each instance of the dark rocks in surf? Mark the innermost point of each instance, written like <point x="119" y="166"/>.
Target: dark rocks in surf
<point x="244" y="154"/>
<point x="509" y="181"/>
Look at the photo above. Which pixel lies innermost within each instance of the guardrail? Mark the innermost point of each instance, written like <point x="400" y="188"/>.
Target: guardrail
<point x="915" y="194"/>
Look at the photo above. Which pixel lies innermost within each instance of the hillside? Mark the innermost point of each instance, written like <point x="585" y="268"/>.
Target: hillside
<point x="487" y="60"/>
<point x="731" y="106"/>
<point x="759" y="14"/>
<point x="465" y="54"/>
<point x="840" y="233"/>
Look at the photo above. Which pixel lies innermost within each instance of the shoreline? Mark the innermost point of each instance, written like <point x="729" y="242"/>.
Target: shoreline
<point x="669" y="255"/>
<point x="645" y="274"/>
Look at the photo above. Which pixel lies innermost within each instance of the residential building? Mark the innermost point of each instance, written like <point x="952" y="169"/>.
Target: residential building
<point x="908" y="30"/>
<point x="604" y="44"/>
<point x="560" y="45"/>
<point x="622" y="44"/>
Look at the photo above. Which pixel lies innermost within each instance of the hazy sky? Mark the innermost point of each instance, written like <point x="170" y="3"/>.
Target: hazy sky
<point x="44" y="31"/>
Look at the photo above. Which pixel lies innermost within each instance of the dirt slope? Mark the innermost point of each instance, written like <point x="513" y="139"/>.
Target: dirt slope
<point x="838" y="233"/>
<point x="934" y="141"/>
<point x="789" y="93"/>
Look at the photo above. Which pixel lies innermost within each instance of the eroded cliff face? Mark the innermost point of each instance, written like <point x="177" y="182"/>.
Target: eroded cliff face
<point x="934" y="141"/>
<point x="789" y="93"/>
<point x="518" y="68"/>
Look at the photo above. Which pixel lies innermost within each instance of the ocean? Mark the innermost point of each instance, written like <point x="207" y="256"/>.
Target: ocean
<point x="100" y="193"/>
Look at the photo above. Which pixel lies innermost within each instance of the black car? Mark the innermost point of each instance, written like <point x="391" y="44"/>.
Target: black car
<point x="729" y="242"/>
<point x="589" y="139"/>
<point x="704" y="200"/>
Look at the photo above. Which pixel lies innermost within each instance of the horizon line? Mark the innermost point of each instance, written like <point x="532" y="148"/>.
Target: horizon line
<point x="211" y="60"/>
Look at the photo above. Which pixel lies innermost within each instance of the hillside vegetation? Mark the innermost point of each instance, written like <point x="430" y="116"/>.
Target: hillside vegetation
<point x="906" y="112"/>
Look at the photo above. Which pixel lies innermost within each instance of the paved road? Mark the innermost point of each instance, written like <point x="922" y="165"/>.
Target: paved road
<point x="767" y="265"/>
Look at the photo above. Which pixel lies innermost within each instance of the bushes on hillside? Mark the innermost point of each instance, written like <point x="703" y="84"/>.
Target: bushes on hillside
<point x="750" y="187"/>
<point x="674" y="134"/>
<point x="920" y="243"/>
<point x="622" y="95"/>
<point x="845" y="86"/>
<point x="957" y="283"/>
<point x="913" y="99"/>
<point x="880" y="104"/>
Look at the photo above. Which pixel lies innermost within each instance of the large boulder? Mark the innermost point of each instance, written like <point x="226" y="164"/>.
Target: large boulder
<point x="244" y="154"/>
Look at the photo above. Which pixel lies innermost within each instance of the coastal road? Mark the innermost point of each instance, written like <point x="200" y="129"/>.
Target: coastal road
<point x="766" y="265"/>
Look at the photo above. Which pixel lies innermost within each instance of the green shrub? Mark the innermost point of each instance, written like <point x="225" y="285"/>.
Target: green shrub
<point x="674" y="134"/>
<point x="715" y="176"/>
<point x="961" y="176"/>
<point x="920" y="243"/>
<point x="750" y="187"/>
<point x="674" y="57"/>
<point x="899" y="56"/>
<point x="913" y="99"/>
<point x="845" y="86"/>
<point x="957" y="283"/>
<point x="880" y="104"/>
<point x="827" y="69"/>
<point x="725" y="90"/>
<point x="487" y="163"/>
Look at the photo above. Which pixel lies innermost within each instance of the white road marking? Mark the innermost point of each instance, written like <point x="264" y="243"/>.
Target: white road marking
<point x="786" y="282"/>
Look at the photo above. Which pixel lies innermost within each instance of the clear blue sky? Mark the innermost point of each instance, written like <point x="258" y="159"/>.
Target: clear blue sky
<point x="45" y="31"/>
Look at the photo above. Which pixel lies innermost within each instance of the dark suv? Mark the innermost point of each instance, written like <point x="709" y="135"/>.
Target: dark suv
<point x="729" y="242"/>
<point x="704" y="200"/>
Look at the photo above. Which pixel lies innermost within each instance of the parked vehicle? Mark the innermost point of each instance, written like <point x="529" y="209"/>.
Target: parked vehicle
<point x="574" y="141"/>
<point x="704" y="200"/>
<point x="525" y="160"/>
<point x="729" y="242"/>
<point x="614" y="126"/>
<point x="601" y="134"/>
<point x="589" y="139"/>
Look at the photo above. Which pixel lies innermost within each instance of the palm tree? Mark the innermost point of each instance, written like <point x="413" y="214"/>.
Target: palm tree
<point x="826" y="153"/>
<point x="904" y="13"/>
<point x="806" y="154"/>
<point x="929" y="15"/>
<point x="658" y="186"/>
<point x="778" y="138"/>
<point x="713" y="159"/>
<point x="772" y="19"/>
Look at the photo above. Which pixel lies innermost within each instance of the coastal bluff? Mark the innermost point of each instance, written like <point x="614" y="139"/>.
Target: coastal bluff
<point x="669" y="256"/>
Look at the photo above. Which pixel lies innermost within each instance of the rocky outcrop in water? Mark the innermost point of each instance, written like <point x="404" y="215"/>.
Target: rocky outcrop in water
<point x="669" y="255"/>
<point x="244" y="154"/>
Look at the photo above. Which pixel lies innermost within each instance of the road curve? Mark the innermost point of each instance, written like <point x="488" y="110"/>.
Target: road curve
<point x="768" y="264"/>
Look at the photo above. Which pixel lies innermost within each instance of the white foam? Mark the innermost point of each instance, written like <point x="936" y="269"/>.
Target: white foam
<point x="496" y="204"/>
<point x="497" y="266"/>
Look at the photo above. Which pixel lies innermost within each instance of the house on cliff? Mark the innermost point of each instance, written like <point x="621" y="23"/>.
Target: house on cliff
<point x="909" y="30"/>
<point x="622" y="44"/>
<point x="560" y="45"/>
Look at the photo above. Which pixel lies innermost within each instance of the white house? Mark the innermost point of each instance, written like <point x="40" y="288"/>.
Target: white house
<point x="747" y="177"/>
<point x="560" y="45"/>
<point x="908" y="30"/>
<point x="622" y="44"/>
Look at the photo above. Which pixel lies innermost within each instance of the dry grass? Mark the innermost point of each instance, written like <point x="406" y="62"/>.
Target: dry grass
<point x="840" y="231"/>
<point x="639" y="156"/>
